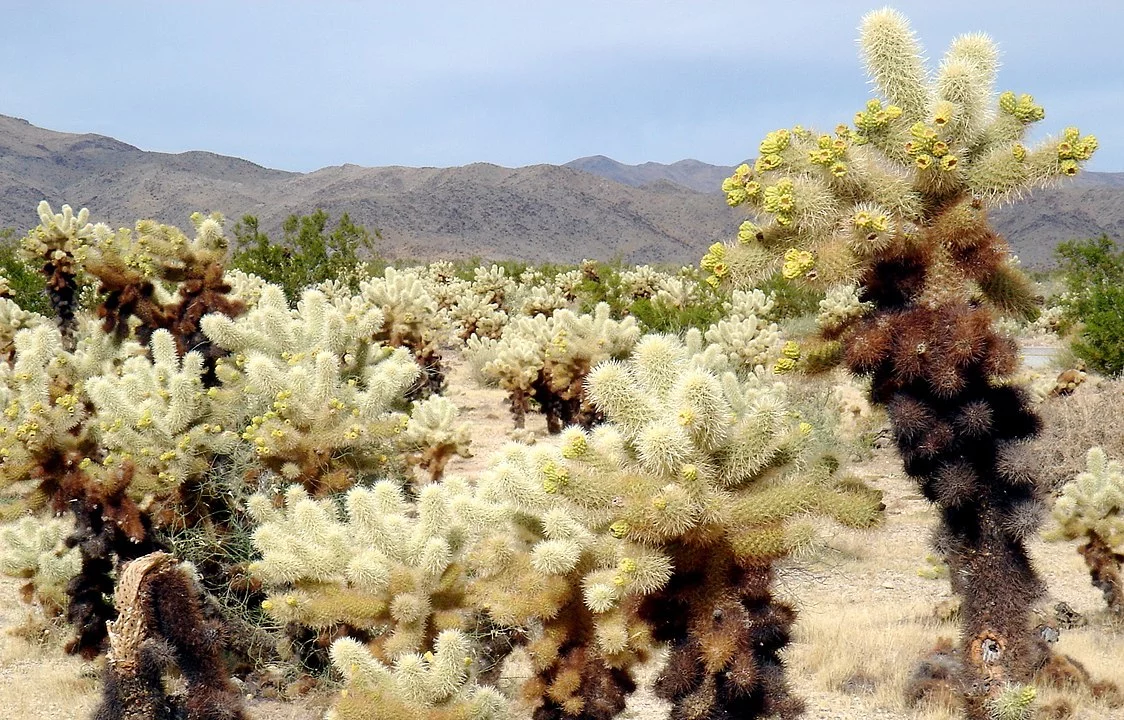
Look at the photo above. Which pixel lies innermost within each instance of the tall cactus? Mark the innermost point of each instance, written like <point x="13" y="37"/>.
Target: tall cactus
<point x="896" y="204"/>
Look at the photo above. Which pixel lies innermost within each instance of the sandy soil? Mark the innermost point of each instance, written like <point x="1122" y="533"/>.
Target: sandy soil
<point x="866" y="615"/>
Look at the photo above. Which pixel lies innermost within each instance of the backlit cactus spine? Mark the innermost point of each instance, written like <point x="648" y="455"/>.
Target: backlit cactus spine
<point x="896" y="203"/>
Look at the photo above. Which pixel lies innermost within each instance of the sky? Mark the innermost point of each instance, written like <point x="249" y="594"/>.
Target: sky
<point x="303" y="85"/>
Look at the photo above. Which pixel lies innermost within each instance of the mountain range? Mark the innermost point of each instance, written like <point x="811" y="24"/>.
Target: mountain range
<point x="592" y="207"/>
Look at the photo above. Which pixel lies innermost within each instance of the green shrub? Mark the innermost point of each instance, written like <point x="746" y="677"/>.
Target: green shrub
<point x="1093" y="272"/>
<point x="308" y="254"/>
<point x="27" y="285"/>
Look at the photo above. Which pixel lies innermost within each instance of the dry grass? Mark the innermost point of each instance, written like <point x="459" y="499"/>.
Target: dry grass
<point x="1092" y="415"/>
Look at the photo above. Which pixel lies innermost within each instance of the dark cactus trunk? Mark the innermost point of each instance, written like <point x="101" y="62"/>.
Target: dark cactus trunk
<point x="936" y="366"/>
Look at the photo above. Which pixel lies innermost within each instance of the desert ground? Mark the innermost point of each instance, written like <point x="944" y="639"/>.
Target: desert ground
<point x="866" y="614"/>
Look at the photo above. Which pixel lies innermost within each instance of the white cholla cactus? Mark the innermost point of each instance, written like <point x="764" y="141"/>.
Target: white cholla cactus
<point x="839" y="307"/>
<point x="548" y="357"/>
<point x="434" y="435"/>
<point x="154" y="413"/>
<point x="410" y="312"/>
<point x="641" y="282"/>
<point x="540" y="300"/>
<point x="13" y="318"/>
<point x="689" y="468"/>
<point x="320" y="396"/>
<point x="745" y="337"/>
<point x="431" y="686"/>
<point x="245" y="286"/>
<point x="750" y="303"/>
<point x="567" y="283"/>
<point x="1094" y="501"/>
<point x="32" y="548"/>
<point x="411" y="319"/>
<point x="472" y="315"/>
<point x="493" y="285"/>
<point x="62" y="232"/>
<point x="390" y="565"/>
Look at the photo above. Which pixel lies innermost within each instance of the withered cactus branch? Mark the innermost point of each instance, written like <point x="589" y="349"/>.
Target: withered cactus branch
<point x="161" y="624"/>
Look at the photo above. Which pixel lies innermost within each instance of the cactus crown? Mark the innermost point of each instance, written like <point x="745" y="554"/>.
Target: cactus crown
<point x="910" y="175"/>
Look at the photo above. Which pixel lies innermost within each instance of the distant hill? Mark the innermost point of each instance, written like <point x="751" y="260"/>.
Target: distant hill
<point x="592" y="207"/>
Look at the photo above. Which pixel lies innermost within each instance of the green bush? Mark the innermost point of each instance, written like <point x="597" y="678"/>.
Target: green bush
<point x="27" y="285"/>
<point x="1093" y="272"/>
<point x="308" y="254"/>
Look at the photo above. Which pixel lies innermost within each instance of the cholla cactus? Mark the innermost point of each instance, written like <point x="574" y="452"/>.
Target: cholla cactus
<point x="33" y="549"/>
<point x="745" y="335"/>
<point x="567" y="283"/>
<point x="244" y="287"/>
<point x="540" y="300"/>
<point x="473" y="316"/>
<point x="55" y="243"/>
<point x="1091" y="506"/>
<point x="896" y="204"/>
<point x="667" y="517"/>
<point x="640" y="282"/>
<point x="133" y="267"/>
<point x="319" y="395"/>
<point x="493" y="285"/>
<point x="162" y="623"/>
<point x="389" y="567"/>
<point x="547" y="358"/>
<point x="410" y="320"/>
<point x="432" y="686"/>
<point x="13" y="318"/>
<point x="434" y="435"/>
<point x="153" y="413"/>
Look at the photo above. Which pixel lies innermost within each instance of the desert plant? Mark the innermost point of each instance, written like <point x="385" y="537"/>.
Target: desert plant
<point x="410" y="320"/>
<point x="307" y="253"/>
<point x="433" y="686"/>
<point x="546" y="359"/>
<point x="434" y="435"/>
<point x="32" y="549"/>
<point x="321" y="397"/>
<point x="660" y="525"/>
<point x="897" y="205"/>
<point x="389" y="571"/>
<point x="1091" y="507"/>
<point x="160" y="625"/>
<point x="1093" y="271"/>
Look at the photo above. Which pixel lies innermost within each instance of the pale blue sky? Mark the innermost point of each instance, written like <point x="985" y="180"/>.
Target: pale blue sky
<point x="302" y="85"/>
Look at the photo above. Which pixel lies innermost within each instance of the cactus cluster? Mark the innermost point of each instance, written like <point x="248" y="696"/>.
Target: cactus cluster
<point x="122" y="422"/>
<point x="545" y="359"/>
<point x="32" y="549"/>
